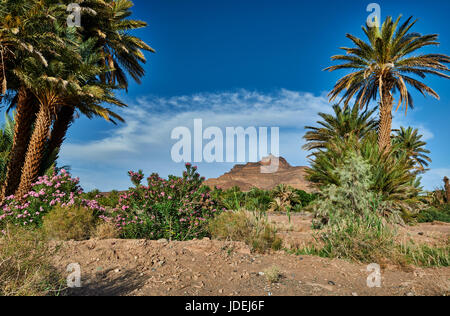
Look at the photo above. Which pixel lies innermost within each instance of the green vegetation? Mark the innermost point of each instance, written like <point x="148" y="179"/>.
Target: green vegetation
<point x="254" y="230"/>
<point x="439" y="214"/>
<point x="281" y="199"/>
<point x="69" y="223"/>
<point x="25" y="268"/>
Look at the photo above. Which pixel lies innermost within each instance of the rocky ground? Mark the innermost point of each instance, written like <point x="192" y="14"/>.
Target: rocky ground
<point x="215" y="268"/>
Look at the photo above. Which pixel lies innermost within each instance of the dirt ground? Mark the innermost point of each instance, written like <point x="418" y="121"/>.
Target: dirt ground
<point x="215" y="268"/>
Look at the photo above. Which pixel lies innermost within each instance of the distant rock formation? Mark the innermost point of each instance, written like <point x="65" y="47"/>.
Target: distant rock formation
<point x="250" y="176"/>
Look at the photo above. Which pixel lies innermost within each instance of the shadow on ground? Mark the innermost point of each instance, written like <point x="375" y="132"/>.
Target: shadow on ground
<point x="109" y="283"/>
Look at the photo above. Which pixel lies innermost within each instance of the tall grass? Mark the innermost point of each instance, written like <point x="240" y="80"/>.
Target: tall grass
<point x="25" y="268"/>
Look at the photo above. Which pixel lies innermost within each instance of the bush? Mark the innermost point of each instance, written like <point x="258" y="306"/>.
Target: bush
<point x="107" y="200"/>
<point x="433" y="214"/>
<point x="362" y="238"/>
<point x="392" y="175"/>
<point x="351" y="198"/>
<point x="240" y="226"/>
<point x="174" y="209"/>
<point x="426" y="256"/>
<point x="68" y="223"/>
<point x="262" y="200"/>
<point x="106" y="230"/>
<point x="48" y="191"/>
<point x="273" y="274"/>
<point x="25" y="269"/>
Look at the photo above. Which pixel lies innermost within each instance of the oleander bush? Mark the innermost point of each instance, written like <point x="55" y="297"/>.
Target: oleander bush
<point x="50" y="190"/>
<point x="177" y="208"/>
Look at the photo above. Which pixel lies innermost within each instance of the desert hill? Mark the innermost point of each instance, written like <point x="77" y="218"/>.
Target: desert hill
<point x="250" y="176"/>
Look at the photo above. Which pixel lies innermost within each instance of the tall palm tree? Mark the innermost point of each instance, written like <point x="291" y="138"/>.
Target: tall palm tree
<point x="121" y="53"/>
<point x="410" y="142"/>
<point x="23" y="34"/>
<point x="383" y="65"/>
<point x="342" y="123"/>
<point x="72" y="78"/>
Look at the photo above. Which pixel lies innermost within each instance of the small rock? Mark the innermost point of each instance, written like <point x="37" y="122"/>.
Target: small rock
<point x="331" y="283"/>
<point x="163" y="241"/>
<point x="221" y="291"/>
<point x="261" y="273"/>
<point x="410" y="294"/>
<point x="117" y="270"/>
<point x="354" y="294"/>
<point x="421" y="234"/>
<point x="162" y="263"/>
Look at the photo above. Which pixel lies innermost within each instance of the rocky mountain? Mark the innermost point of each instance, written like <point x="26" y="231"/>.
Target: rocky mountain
<point x="251" y="176"/>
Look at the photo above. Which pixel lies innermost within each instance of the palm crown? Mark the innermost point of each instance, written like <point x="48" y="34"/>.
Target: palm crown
<point x="342" y="123"/>
<point x="383" y="66"/>
<point x="410" y="141"/>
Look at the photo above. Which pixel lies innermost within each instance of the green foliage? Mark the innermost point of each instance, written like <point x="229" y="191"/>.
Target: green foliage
<point x="69" y="223"/>
<point x="107" y="200"/>
<point x="50" y="190"/>
<point x="426" y="256"/>
<point x="175" y="209"/>
<point x="385" y="62"/>
<point x="352" y="196"/>
<point x="441" y="214"/>
<point x="282" y="198"/>
<point x="25" y="264"/>
<point x="410" y="142"/>
<point x="255" y="231"/>
<point x="391" y="175"/>
<point x="342" y="124"/>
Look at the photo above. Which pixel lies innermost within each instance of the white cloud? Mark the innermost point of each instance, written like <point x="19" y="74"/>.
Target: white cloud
<point x="434" y="178"/>
<point x="144" y="141"/>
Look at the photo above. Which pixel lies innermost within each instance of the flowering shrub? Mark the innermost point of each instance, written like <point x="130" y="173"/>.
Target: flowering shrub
<point x="177" y="208"/>
<point x="47" y="192"/>
<point x="136" y="177"/>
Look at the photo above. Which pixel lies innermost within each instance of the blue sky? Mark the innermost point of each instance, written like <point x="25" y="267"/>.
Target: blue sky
<point x="244" y="63"/>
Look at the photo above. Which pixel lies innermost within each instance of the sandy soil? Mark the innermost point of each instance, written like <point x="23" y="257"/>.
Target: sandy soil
<point x="215" y="268"/>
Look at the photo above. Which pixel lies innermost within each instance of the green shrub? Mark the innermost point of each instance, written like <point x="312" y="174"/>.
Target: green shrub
<point x="353" y="196"/>
<point x="106" y="230"/>
<point x="255" y="231"/>
<point x="433" y="214"/>
<point x="110" y="199"/>
<point x="426" y="256"/>
<point x="177" y="208"/>
<point x="69" y="223"/>
<point x="25" y="268"/>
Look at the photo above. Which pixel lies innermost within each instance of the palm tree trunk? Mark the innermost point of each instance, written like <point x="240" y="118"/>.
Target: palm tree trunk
<point x="25" y="115"/>
<point x="385" y="128"/>
<point x="62" y="123"/>
<point x="36" y="151"/>
<point x="447" y="189"/>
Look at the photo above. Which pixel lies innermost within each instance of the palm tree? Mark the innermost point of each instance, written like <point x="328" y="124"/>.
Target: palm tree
<point x="108" y="23"/>
<point x="343" y="123"/>
<point x="23" y="31"/>
<point x="6" y="142"/>
<point x="383" y="65"/>
<point x="410" y="142"/>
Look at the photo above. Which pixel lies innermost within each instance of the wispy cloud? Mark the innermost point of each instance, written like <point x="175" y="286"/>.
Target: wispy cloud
<point x="144" y="141"/>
